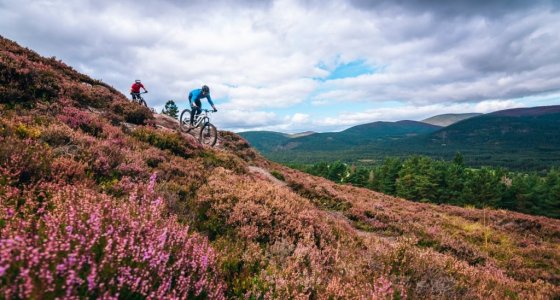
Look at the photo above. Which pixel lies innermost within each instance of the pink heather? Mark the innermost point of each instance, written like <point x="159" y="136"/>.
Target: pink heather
<point x="152" y="183"/>
<point x="103" y="239"/>
<point x="3" y="270"/>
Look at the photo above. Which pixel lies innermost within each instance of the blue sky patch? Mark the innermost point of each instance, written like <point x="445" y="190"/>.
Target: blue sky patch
<point x="351" y="69"/>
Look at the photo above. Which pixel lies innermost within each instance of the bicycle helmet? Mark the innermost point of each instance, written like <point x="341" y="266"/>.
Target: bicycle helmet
<point x="137" y="80"/>
<point x="205" y="89"/>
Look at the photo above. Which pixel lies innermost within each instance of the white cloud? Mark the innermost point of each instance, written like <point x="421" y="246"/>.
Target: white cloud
<point x="410" y="112"/>
<point x="261" y="56"/>
<point x="494" y="105"/>
<point x="244" y="120"/>
<point x="299" y="118"/>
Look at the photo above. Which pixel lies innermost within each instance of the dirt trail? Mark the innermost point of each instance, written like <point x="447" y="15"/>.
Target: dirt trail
<point x="267" y="175"/>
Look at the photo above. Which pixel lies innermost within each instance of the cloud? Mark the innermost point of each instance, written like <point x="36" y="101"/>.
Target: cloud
<point x="298" y="118"/>
<point x="244" y="120"/>
<point x="264" y="60"/>
<point x="455" y="8"/>
<point x="281" y="95"/>
<point x="411" y="113"/>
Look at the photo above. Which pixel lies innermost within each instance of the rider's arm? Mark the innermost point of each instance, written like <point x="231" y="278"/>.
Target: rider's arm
<point x="142" y="86"/>
<point x="210" y="100"/>
<point x="192" y="98"/>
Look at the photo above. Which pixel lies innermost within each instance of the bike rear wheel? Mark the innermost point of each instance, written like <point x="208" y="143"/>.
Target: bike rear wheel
<point x="185" y="120"/>
<point x="208" y="135"/>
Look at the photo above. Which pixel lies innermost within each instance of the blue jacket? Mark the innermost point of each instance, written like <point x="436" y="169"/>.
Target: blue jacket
<point x="197" y="95"/>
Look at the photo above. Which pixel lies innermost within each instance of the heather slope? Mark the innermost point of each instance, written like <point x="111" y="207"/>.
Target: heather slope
<point x="123" y="204"/>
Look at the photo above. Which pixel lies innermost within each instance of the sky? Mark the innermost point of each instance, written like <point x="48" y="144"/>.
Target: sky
<point x="309" y="65"/>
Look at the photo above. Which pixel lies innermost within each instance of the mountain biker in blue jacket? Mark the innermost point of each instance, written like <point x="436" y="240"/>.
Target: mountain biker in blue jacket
<point x="194" y="100"/>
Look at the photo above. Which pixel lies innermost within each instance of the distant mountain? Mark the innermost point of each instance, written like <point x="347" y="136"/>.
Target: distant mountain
<point x="521" y="138"/>
<point x="448" y="119"/>
<point x="525" y="128"/>
<point x="265" y="141"/>
<point x="526" y="112"/>
<point x="366" y="134"/>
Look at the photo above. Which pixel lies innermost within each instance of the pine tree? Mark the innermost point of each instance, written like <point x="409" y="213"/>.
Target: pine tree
<point x="171" y="109"/>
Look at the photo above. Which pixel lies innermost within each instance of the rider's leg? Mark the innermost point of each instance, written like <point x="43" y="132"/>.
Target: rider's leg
<point x="195" y="111"/>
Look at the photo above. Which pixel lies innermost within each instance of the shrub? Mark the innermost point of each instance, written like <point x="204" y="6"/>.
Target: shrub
<point x="24" y="131"/>
<point x="22" y="81"/>
<point x="171" y="141"/>
<point x="278" y="175"/>
<point x="132" y="112"/>
<point x="76" y="118"/>
<point x="89" y="245"/>
<point x="23" y="161"/>
<point x="87" y="94"/>
<point x="213" y="159"/>
<point x="104" y="158"/>
<point x="234" y="143"/>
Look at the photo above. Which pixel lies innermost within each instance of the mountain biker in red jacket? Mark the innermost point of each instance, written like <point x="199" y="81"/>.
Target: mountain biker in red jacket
<point x="194" y="100"/>
<point x="135" y="89"/>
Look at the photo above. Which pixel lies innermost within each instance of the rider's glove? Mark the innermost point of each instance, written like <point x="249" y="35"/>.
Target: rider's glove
<point x="146" y="91"/>
<point x="215" y="110"/>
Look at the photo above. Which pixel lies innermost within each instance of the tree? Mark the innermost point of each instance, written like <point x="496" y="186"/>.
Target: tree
<point x="388" y="174"/>
<point x="483" y="187"/>
<point x="171" y="109"/>
<point x="459" y="159"/>
<point x="358" y="176"/>
<point x="336" y="171"/>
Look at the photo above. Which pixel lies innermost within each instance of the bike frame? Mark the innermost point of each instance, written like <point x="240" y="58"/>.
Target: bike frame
<point x="202" y="118"/>
<point x="139" y="95"/>
<point x="208" y="133"/>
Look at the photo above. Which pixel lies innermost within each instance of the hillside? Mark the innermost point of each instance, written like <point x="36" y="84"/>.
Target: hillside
<point x="522" y="138"/>
<point x="361" y="135"/>
<point x="265" y="140"/>
<point x="448" y="119"/>
<point x="99" y="197"/>
<point x="519" y="139"/>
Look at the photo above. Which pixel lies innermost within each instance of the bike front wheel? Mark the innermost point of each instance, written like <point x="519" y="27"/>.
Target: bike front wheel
<point x="185" y="120"/>
<point x="143" y="102"/>
<point x="208" y="135"/>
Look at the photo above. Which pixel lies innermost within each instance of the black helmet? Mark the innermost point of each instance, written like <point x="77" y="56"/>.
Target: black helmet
<point x="205" y="89"/>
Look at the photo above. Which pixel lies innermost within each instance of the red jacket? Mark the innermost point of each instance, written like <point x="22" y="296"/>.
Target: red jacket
<point x="135" y="88"/>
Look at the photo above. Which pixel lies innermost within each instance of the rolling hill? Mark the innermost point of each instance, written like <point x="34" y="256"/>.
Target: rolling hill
<point x="525" y="128"/>
<point x="524" y="138"/>
<point x="101" y="198"/>
<point x="521" y="139"/>
<point x="365" y="134"/>
<point x="266" y="141"/>
<point x="371" y="133"/>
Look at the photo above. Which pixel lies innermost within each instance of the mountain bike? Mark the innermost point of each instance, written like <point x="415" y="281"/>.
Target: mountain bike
<point x="208" y="134"/>
<point x="139" y="99"/>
